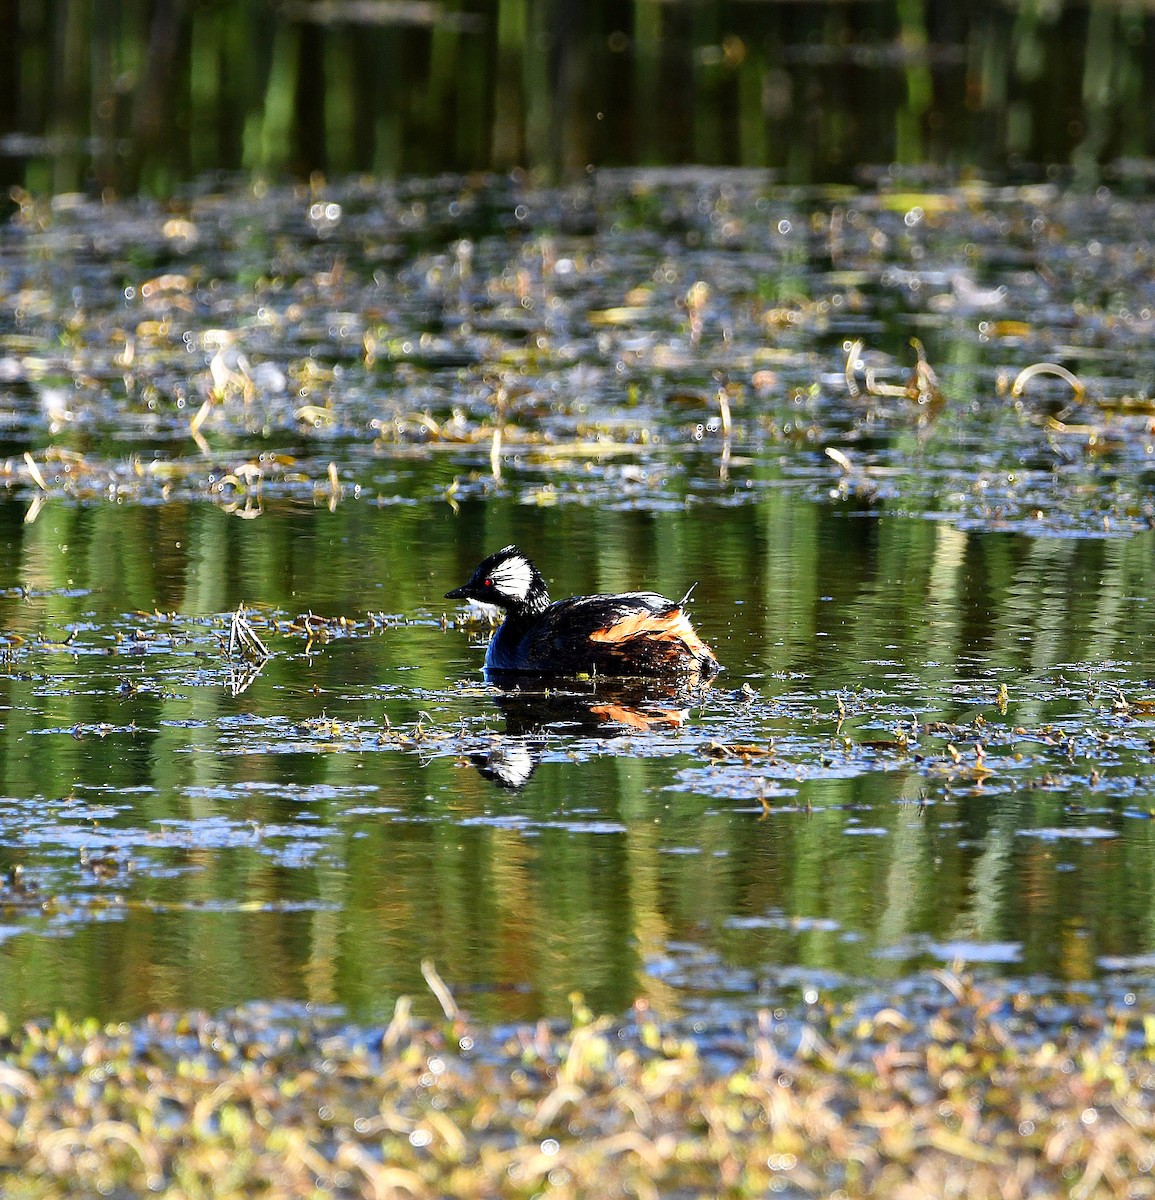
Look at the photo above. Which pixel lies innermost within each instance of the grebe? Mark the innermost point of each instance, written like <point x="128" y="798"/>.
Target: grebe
<point x="630" y="633"/>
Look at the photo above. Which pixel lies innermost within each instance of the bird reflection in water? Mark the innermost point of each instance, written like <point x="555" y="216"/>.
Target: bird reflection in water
<point x="610" y="709"/>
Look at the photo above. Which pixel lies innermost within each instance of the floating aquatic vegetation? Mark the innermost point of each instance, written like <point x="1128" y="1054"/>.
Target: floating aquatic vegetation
<point x="553" y="346"/>
<point x="951" y="1075"/>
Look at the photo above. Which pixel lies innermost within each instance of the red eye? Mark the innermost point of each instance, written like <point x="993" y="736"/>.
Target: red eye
<point x="489" y="583"/>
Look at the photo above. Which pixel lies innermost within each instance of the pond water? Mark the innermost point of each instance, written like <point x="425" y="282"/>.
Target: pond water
<point x="934" y="735"/>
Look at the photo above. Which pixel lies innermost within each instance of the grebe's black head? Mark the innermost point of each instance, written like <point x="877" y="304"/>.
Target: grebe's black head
<point x="507" y="579"/>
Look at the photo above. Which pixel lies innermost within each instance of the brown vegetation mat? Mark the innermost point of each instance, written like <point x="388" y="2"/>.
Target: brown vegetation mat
<point x="967" y="1089"/>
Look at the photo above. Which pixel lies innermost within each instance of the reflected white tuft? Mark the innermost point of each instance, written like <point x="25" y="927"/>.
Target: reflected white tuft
<point x="513" y="577"/>
<point x="511" y="765"/>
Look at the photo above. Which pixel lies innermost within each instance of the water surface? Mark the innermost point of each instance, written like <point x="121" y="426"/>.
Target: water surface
<point x="934" y="733"/>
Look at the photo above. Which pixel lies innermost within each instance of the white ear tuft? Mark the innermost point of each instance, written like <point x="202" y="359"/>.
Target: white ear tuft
<point x="513" y="577"/>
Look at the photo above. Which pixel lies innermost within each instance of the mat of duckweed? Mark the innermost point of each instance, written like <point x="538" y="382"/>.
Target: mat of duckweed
<point x="954" y="1087"/>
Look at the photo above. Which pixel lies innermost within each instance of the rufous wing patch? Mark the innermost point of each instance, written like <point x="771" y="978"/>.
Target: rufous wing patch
<point x="673" y="626"/>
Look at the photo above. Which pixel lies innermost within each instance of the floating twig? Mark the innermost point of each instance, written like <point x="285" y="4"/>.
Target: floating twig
<point x="500" y="398"/>
<point x="336" y="491"/>
<point x="924" y="386"/>
<point x="853" y="362"/>
<point x="1046" y="368"/>
<point x="38" y="502"/>
<point x="195" y="423"/>
<point x="243" y="638"/>
<point x="200" y="416"/>
<point x="438" y="987"/>
<point x="495" y="453"/>
<point x="34" y="471"/>
<point x="724" y="408"/>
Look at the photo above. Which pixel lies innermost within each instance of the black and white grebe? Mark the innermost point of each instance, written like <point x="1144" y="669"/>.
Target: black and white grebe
<point x="631" y="633"/>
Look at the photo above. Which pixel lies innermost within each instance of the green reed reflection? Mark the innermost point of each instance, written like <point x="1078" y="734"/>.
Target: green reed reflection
<point x="136" y="97"/>
<point x="191" y="846"/>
